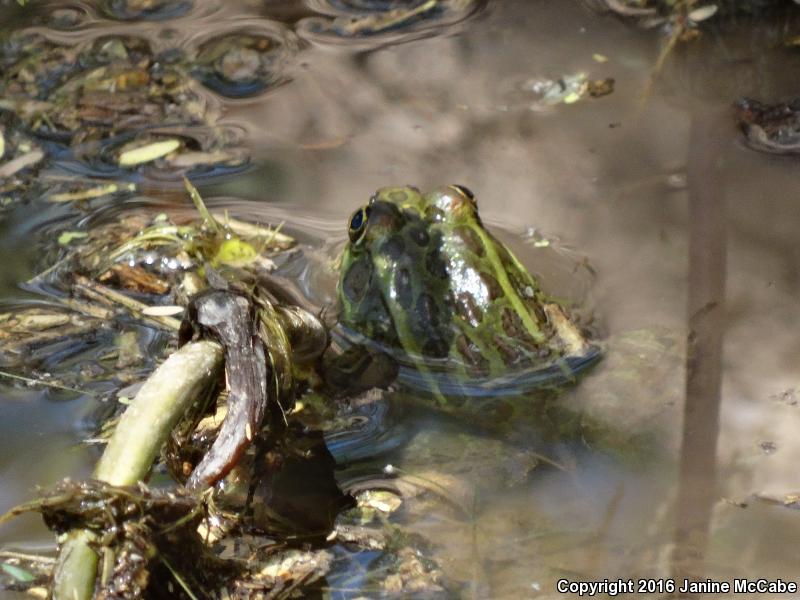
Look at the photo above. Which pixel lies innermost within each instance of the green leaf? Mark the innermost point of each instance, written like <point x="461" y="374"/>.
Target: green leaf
<point x="197" y="199"/>
<point x="18" y="573"/>
<point x="66" y="237"/>
<point x="235" y="252"/>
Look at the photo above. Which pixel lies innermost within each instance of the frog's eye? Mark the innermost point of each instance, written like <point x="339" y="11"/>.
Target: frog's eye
<point x="358" y="224"/>
<point x="466" y="192"/>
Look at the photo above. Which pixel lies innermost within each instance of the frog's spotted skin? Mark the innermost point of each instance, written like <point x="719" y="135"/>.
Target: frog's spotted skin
<point x="425" y="281"/>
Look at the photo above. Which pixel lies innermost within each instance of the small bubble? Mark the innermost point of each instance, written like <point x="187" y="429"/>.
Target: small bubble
<point x="676" y="181"/>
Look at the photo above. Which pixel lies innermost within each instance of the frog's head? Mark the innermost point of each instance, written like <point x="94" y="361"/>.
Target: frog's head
<point x="392" y="267"/>
<point x="422" y="278"/>
<point x="385" y="216"/>
<point x="397" y="220"/>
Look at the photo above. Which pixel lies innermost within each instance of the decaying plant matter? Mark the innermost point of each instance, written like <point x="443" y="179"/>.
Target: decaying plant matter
<point x="122" y="539"/>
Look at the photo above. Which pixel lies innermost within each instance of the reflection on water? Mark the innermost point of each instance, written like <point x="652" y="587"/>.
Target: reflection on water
<point x="697" y="488"/>
<point x="367" y="24"/>
<point x="133" y="10"/>
<point x="627" y="181"/>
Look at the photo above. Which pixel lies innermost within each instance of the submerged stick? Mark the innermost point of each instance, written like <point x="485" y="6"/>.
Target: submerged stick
<point x="147" y="423"/>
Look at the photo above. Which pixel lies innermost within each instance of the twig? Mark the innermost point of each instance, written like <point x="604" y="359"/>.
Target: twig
<point x="178" y="578"/>
<point x="100" y="292"/>
<point x="32" y="558"/>
<point x="45" y="383"/>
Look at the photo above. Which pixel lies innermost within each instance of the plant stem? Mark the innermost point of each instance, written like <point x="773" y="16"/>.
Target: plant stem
<point x="147" y="423"/>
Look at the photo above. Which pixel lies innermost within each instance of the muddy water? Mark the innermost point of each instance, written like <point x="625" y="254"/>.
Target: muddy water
<point x="609" y="182"/>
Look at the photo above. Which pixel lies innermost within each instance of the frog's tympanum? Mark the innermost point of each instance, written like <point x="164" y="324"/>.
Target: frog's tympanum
<point x="424" y="281"/>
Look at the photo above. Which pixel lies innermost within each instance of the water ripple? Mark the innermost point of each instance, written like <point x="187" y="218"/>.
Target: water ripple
<point x="149" y="10"/>
<point x="364" y="24"/>
<point x="243" y="58"/>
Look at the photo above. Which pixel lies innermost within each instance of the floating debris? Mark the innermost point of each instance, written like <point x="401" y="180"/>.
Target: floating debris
<point x="163" y="311"/>
<point x="141" y="529"/>
<point x="789" y="397"/>
<point x="544" y="94"/>
<point x="147" y="153"/>
<point x="411" y="574"/>
<point x="23" y="572"/>
<point x="773" y="128"/>
<point x="244" y="63"/>
<point x="152" y="254"/>
<point x="550" y="92"/>
<point x="645" y="12"/>
<point x="600" y="87"/>
<point x="697" y="15"/>
<point x="768" y="447"/>
<point x="65" y="238"/>
<point x="18" y="573"/>
<point x="21" y="161"/>
<point x="653" y="13"/>
<point x="791" y="500"/>
<point x="367" y="24"/>
<point x="293" y="567"/>
<point x="191" y="159"/>
<point x="91" y="193"/>
<point x="29" y="159"/>
<point x="380" y="500"/>
<point x="135" y="278"/>
<point x="147" y="10"/>
<point x="114" y="106"/>
<point x="27" y="334"/>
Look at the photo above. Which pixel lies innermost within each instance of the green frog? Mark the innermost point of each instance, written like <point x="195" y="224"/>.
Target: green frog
<point x="425" y="282"/>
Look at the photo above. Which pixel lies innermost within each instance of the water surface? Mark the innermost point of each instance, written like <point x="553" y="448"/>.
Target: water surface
<point x="608" y="180"/>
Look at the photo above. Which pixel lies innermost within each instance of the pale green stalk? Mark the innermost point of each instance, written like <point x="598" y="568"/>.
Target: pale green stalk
<point x="163" y="399"/>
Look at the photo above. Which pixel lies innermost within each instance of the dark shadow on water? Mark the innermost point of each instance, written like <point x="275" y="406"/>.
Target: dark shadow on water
<point x="697" y="491"/>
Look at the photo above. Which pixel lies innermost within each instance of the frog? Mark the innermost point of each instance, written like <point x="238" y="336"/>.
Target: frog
<point x="423" y="280"/>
